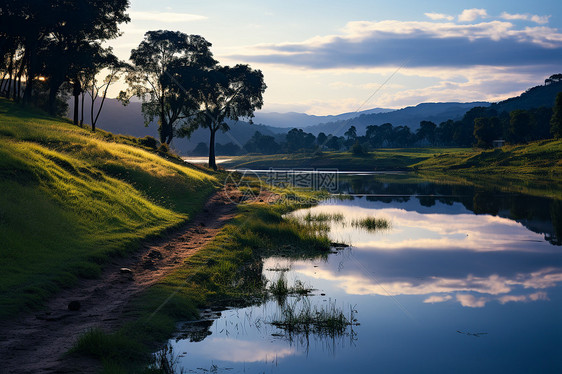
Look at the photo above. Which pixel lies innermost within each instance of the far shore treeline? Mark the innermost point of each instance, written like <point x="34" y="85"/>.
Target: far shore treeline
<point x="479" y="127"/>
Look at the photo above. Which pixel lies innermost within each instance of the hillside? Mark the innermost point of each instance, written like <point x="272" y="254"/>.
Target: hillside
<point x="301" y="120"/>
<point x="70" y="199"/>
<point x="535" y="97"/>
<point x="537" y="158"/>
<point x="409" y="116"/>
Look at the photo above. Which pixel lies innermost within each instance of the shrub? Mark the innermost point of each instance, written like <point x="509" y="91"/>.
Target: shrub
<point x="149" y="141"/>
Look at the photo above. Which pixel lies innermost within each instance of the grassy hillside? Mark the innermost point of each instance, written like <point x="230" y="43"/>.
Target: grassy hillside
<point x="70" y="199"/>
<point x="382" y="159"/>
<point x="542" y="157"/>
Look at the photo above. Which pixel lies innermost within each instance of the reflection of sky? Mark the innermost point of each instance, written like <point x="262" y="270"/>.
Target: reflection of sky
<point x="449" y="254"/>
<point x="446" y="269"/>
<point x="237" y="350"/>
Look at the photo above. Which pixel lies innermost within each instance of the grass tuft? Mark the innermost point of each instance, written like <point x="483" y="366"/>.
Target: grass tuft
<point x="371" y="223"/>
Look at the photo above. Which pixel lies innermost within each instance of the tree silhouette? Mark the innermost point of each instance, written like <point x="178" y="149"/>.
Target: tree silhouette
<point x="162" y="63"/>
<point x="225" y="93"/>
<point x="486" y="130"/>
<point x="556" y="119"/>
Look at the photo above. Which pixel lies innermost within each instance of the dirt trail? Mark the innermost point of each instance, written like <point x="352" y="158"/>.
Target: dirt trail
<point x="35" y="343"/>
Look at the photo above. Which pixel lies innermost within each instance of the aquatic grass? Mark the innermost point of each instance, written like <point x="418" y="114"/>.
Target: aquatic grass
<point x="323" y="217"/>
<point x="371" y="223"/>
<point x="280" y="288"/>
<point x="303" y="317"/>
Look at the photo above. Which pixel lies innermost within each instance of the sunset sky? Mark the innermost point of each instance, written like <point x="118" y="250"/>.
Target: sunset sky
<point x="329" y="57"/>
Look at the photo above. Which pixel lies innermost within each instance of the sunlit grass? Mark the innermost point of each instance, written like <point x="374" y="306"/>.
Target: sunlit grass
<point x="70" y="199"/>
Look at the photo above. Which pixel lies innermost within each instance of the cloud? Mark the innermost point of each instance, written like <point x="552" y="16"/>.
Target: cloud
<point x="439" y="16"/>
<point x="471" y="301"/>
<point x="165" y="17"/>
<point x="523" y="298"/>
<point x="437" y="299"/>
<point x="541" y="20"/>
<point x="469" y="15"/>
<point x="417" y="45"/>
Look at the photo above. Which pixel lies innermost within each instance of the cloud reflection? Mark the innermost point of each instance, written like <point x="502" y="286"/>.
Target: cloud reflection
<point x="235" y="350"/>
<point x="493" y="287"/>
<point x="417" y="231"/>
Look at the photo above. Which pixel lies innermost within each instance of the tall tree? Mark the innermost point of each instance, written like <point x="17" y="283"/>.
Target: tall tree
<point x="521" y="125"/>
<point x="167" y="70"/>
<point x="556" y="119"/>
<point x="226" y="93"/>
<point x="427" y="131"/>
<point x="486" y="130"/>
<point x="97" y="89"/>
<point x="71" y="29"/>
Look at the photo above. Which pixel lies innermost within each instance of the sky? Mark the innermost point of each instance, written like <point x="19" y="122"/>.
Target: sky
<point x="329" y="57"/>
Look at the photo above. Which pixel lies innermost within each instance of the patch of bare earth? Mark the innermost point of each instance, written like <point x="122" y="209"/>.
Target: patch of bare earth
<point x="36" y="342"/>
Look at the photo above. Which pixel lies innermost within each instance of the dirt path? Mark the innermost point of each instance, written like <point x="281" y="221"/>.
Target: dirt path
<point x="35" y="342"/>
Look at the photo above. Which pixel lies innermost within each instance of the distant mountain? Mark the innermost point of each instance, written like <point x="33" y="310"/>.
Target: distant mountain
<point x="536" y="97"/>
<point x="128" y="120"/>
<point x="301" y="120"/>
<point x="409" y="116"/>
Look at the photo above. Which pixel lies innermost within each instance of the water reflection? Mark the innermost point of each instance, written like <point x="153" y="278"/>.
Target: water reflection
<point x="445" y="252"/>
<point x="458" y="263"/>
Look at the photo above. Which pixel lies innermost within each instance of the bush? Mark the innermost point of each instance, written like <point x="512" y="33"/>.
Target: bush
<point x="358" y="150"/>
<point x="149" y="141"/>
<point x="164" y="148"/>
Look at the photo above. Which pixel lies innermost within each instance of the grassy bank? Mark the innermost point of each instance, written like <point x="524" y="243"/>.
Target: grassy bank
<point x="379" y="160"/>
<point x="227" y="272"/>
<point x="542" y="157"/>
<point x="70" y="199"/>
<point x="534" y="169"/>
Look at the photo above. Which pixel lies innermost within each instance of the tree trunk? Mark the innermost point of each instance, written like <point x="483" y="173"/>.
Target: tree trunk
<point x="82" y="111"/>
<point x="52" y="101"/>
<point x="10" y="76"/>
<point x="76" y="92"/>
<point x="212" y="162"/>
<point x="30" y="76"/>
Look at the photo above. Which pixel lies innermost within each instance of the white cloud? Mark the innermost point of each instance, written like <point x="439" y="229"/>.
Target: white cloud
<point x="165" y="17"/>
<point x="439" y="16"/>
<point x="514" y="298"/>
<point x="523" y="298"/>
<point x="541" y="20"/>
<point x="538" y="296"/>
<point x="437" y="299"/>
<point x="469" y="15"/>
<point x="471" y="301"/>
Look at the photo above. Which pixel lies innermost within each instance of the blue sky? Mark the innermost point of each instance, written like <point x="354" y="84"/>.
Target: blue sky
<point x="328" y="57"/>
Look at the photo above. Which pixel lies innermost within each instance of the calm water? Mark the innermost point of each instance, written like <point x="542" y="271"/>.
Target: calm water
<point x="465" y="281"/>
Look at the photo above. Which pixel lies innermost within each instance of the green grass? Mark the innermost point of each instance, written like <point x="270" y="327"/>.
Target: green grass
<point x="538" y="157"/>
<point x="381" y="159"/>
<point x="70" y="199"/>
<point x="323" y="217"/>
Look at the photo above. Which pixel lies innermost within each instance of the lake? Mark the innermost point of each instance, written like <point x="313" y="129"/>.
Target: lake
<point x="465" y="280"/>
